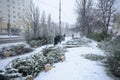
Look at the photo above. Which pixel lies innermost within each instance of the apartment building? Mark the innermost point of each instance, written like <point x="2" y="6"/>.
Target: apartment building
<point x="116" y="25"/>
<point x="12" y="13"/>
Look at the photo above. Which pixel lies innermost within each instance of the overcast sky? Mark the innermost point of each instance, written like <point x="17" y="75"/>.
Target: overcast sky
<point x="52" y="7"/>
<point x="68" y="9"/>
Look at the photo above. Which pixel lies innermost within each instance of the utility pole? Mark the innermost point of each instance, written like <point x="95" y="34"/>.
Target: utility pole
<point x="9" y="24"/>
<point x="60" y="16"/>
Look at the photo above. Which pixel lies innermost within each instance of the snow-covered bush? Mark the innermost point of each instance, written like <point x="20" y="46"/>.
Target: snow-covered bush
<point x="9" y="74"/>
<point x="113" y="63"/>
<point x="46" y="50"/>
<point x="99" y="36"/>
<point x="38" y="63"/>
<point x="37" y="42"/>
<point x="3" y="77"/>
<point x="21" y="49"/>
<point x="77" y="42"/>
<point x="112" y="49"/>
<point x="96" y="36"/>
<point x="53" y="57"/>
<point x="33" y="64"/>
<point x="53" y="54"/>
<point x="12" y="73"/>
<point x="94" y="57"/>
<point x="15" y="50"/>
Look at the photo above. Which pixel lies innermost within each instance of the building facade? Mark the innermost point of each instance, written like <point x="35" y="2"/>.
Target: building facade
<point x="11" y="13"/>
<point x="116" y="26"/>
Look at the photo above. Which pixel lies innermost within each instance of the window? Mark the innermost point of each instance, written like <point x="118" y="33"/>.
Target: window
<point x="13" y="6"/>
<point x="14" y="16"/>
<point x="13" y="21"/>
<point x="8" y="5"/>
<point x="8" y="10"/>
<point x="8" y="0"/>
<point x="18" y="3"/>
<point x="13" y="2"/>
<point x="18" y="13"/>
<point x="22" y="1"/>
<point x="20" y="17"/>
<point x="19" y="8"/>
<point x="13" y="11"/>
<point x="9" y="15"/>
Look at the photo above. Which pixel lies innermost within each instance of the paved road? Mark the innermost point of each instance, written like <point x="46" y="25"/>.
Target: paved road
<point x="11" y="40"/>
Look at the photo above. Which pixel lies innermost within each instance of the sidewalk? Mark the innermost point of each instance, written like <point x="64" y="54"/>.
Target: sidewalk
<point x="76" y="67"/>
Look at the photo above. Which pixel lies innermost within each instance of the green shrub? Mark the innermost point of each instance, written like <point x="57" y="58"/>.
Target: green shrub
<point x="15" y="50"/>
<point x="76" y="42"/>
<point x="96" y="36"/>
<point x="113" y="63"/>
<point x="35" y="43"/>
<point x="99" y="36"/>
<point x="46" y="50"/>
<point x="112" y="49"/>
<point x="21" y="49"/>
<point x="3" y="77"/>
<point x="39" y="41"/>
<point x="12" y="73"/>
<point x="94" y="57"/>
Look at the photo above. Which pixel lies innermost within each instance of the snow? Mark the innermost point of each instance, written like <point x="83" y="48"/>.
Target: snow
<point x="6" y="61"/>
<point x="75" y="67"/>
<point x="11" y="44"/>
<point x="6" y="36"/>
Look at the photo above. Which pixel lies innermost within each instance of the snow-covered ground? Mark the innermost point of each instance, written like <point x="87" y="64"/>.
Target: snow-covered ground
<point x="6" y="61"/>
<point x="75" y="67"/>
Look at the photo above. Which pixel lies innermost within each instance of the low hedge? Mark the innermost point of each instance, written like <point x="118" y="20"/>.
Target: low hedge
<point x="35" y="63"/>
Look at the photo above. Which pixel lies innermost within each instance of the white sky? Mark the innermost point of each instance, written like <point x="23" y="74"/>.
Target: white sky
<point x="52" y="7"/>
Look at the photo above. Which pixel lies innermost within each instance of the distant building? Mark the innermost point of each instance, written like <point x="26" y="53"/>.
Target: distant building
<point x="12" y="13"/>
<point x="116" y="25"/>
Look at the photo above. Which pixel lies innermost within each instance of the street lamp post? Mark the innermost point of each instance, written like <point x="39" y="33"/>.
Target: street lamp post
<point x="8" y="28"/>
<point x="8" y="24"/>
<point x="60" y="16"/>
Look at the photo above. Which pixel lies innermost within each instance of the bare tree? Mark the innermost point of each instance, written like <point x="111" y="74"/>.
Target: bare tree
<point x="89" y="15"/>
<point x="49" y="25"/>
<point x="84" y="8"/>
<point x="44" y="26"/>
<point x="106" y="10"/>
<point x="94" y="24"/>
<point x="31" y="20"/>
